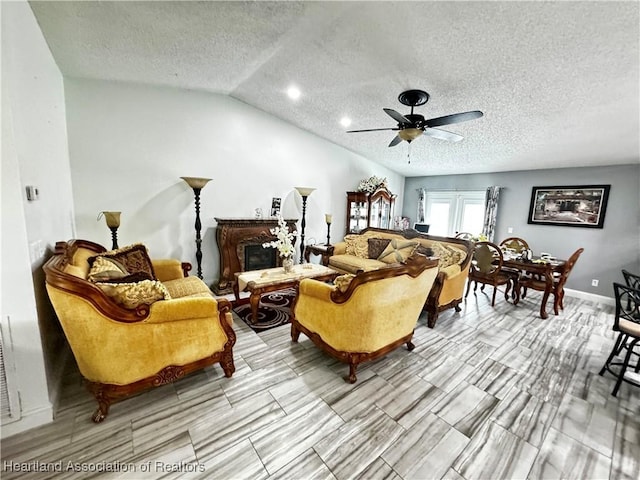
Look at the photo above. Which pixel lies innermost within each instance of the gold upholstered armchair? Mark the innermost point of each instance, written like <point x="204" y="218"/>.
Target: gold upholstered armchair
<point x="133" y="323"/>
<point x="364" y="316"/>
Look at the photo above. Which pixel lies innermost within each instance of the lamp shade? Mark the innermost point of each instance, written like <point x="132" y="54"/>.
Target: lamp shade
<point x="112" y="219"/>
<point x="409" y="134"/>
<point x="196" y="182"/>
<point x="304" y="191"/>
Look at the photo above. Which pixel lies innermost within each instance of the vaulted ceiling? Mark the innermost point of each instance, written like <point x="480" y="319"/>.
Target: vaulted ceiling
<point x="557" y="81"/>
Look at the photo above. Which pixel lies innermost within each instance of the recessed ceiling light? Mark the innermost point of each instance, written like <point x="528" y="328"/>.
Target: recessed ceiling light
<point x="345" y="121"/>
<point x="293" y="92"/>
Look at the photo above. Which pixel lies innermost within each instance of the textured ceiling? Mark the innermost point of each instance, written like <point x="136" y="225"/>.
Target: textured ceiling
<point x="558" y="82"/>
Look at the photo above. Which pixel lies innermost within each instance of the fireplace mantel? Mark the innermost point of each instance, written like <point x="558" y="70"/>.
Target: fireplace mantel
<point x="232" y="233"/>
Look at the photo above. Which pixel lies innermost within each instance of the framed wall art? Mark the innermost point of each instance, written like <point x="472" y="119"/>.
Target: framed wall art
<point x="569" y="206"/>
<point x="275" y="206"/>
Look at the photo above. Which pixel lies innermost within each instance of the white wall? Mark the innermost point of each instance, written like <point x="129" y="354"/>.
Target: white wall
<point x="34" y="152"/>
<point x="129" y="144"/>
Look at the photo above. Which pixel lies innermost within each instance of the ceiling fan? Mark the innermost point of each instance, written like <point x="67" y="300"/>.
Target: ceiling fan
<point x="413" y="125"/>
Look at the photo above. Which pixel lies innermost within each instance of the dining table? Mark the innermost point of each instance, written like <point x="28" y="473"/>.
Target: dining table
<point x="544" y="268"/>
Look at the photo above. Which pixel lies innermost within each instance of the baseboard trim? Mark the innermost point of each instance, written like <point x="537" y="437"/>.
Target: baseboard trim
<point x="30" y="419"/>
<point x="590" y="296"/>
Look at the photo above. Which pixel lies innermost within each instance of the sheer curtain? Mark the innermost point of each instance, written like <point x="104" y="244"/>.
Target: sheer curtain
<point x="490" y="211"/>
<point x="422" y="204"/>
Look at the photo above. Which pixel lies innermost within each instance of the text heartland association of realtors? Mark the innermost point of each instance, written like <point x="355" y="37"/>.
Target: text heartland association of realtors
<point x="99" y="467"/>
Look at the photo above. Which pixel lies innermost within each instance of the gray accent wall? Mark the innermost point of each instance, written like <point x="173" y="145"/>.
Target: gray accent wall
<point x="606" y="250"/>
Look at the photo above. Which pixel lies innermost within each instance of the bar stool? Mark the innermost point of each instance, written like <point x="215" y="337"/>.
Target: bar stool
<point x="627" y="322"/>
<point x="632" y="280"/>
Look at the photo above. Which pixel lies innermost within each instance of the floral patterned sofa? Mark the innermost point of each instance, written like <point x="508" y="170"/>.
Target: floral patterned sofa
<point x="374" y="248"/>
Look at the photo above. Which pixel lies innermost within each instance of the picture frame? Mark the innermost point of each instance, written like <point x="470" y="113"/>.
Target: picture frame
<point x="569" y="206"/>
<point x="275" y="206"/>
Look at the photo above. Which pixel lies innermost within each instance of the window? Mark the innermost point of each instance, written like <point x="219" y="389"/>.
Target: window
<point x="450" y="212"/>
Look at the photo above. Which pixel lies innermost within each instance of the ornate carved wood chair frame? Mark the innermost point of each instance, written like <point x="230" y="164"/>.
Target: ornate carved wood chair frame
<point x="537" y="283"/>
<point x="413" y="267"/>
<point x="431" y="306"/>
<point x="486" y="268"/>
<point x="106" y="394"/>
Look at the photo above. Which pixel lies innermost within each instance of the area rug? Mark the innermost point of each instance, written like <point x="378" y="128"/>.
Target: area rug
<point x="273" y="311"/>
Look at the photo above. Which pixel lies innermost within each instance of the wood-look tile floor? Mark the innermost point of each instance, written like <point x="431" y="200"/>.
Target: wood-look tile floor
<point x="489" y="393"/>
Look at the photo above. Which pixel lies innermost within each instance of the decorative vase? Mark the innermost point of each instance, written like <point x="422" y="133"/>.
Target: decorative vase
<point x="287" y="264"/>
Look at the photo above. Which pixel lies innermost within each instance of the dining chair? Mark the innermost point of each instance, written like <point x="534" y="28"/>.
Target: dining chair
<point x="518" y="245"/>
<point x="486" y="268"/>
<point x="627" y="323"/>
<point x="538" y="283"/>
<point x="632" y="280"/>
<point x="515" y="243"/>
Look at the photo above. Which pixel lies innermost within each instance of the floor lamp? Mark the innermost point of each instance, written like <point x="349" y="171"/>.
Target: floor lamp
<point x="327" y="218"/>
<point x="197" y="183"/>
<point x="304" y="193"/>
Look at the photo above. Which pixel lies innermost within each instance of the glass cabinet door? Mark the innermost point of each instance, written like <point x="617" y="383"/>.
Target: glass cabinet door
<point x="374" y="219"/>
<point x="382" y="201"/>
<point x="357" y="211"/>
<point x="357" y="217"/>
<point x="385" y="216"/>
<point x="369" y="210"/>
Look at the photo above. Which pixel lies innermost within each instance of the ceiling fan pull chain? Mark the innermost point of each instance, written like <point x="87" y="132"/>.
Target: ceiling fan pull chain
<point x="409" y="153"/>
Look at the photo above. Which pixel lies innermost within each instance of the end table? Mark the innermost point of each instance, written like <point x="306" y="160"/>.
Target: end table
<point x="325" y="251"/>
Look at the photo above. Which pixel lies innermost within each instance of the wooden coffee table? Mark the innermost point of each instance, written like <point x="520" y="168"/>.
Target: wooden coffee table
<point x="259" y="282"/>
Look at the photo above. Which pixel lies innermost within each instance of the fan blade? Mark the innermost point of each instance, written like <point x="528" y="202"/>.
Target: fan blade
<point x="454" y="118"/>
<point x="396" y="140"/>
<point x="371" y="130"/>
<point x="397" y="116"/>
<point x="443" y="134"/>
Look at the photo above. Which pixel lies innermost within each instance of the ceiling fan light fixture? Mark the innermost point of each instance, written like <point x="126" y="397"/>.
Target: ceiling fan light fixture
<point x="409" y="134"/>
<point x="412" y="125"/>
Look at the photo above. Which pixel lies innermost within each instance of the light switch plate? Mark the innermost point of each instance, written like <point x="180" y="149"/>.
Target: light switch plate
<point x="32" y="193"/>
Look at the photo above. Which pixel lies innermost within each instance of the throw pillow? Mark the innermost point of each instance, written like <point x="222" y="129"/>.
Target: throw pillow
<point x="357" y="245"/>
<point x="342" y="282"/>
<point x="457" y="255"/>
<point x="187" y="287"/>
<point x="377" y="246"/>
<point x="103" y="269"/>
<point x="398" y="251"/>
<point x="447" y="255"/>
<point x="444" y="255"/>
<point x="426" y="251"/>
<point x="131" y="278"/>
<point x="135" y="258"/>
<point x="131" y="295"/>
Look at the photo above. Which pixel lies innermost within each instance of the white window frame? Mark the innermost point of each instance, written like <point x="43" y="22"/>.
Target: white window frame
<point x="457" y="200"/>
